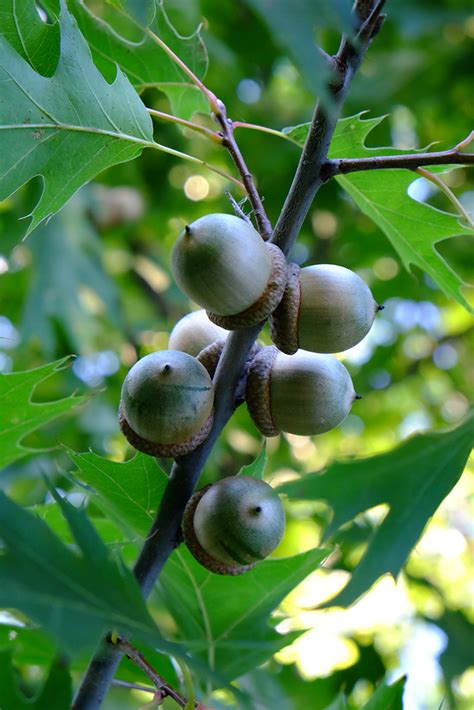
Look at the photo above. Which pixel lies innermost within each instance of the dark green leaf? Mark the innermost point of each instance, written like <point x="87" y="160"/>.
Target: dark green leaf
<point x="35" y="40"/>
<point x="66" y="128"/>
<point x="144" y="62"/>
<point x="130" y="492"/>
<point x="56" y="693"/>
<point x="75" y="597"/>
<point x="20" y="416"/>
<point x="412" y="479"/>
<point x="413" y="228"/>
<point x="225" y="620"/>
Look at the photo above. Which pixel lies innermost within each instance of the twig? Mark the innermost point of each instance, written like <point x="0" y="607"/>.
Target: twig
<point x="412" y="161"/>
<point x="229" y="142"/>
<point x="164" y="534"/>
<point x="436" y="180"/>
<point x="163" y="688"/>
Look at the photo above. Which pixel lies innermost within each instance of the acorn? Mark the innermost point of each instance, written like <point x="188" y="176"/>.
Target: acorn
<point x="221" y="262"/>
<point x="166" y="406"/>
<point x="233" y="524"/>
<point x="325" y="309"/>
<point x="194" y="332"/>
<point x="306" y="393"/>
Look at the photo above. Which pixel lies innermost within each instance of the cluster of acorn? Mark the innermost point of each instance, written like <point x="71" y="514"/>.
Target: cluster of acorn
<point x="166" y="407"/>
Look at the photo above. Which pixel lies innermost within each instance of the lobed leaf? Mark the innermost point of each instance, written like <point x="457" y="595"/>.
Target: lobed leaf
<point x="144" y="62"/>
<point x="56" y="693"/>
<point x="66" y="128"/>
<point x="412" y="227"/>
<point x="20" y="416"/>
<point x="413" y="479"/>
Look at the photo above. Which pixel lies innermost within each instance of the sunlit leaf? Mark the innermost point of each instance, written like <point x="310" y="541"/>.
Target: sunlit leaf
<point x="130" y="492"/>
<point x="19" y="415"/>
<point x="226" y="620"/>
<point x="412" y="479"/>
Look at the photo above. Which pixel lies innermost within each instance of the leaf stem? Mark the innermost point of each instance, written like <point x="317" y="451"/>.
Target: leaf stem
<point x="436" y="180"/>
<point x="213" y="135"/>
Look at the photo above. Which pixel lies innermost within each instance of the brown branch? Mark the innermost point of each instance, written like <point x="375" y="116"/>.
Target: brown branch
<point x="229" y="142"/>
<point x="163" y="688"/>
<point x="164" y="534"/>
<point x="410" y="161"/>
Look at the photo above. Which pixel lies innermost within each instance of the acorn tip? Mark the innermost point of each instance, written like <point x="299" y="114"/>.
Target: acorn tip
<point x="358" y="396"/>
<point x="380" y="307"/>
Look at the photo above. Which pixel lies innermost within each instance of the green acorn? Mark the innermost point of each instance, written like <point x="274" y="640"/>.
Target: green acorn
<point x="305" y="394"/>
<point x="325" y="309"/>
<point x="221" y="262"/>
<point x="166" y="406"/>
<point x="233" y="524"/>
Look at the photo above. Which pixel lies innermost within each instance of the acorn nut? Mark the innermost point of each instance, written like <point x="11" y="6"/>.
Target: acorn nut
<point x="233" y="524"/>
<point x="194" y="332"/>
<point x="221" y="262"/>
<point x="326" y="309"/>
<point x="166" y="406"/>
<point x="306" y="393"/>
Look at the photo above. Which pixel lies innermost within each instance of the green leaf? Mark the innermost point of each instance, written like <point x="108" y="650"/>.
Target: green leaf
<point x="412" y="227"/>
<point x="66" y="128"/>
<point x="67" y="259"/>
<point x="237" y="631"/>
<point x="75" y="597"/>
<point x="387" y="697"/>
<point x="225" y="620"/>
<point x="129" y="492"/>
<point x="35" y="40"/>
<point x="294" y="26"/>
<point x="144" y="62"/>
<point x="257" y="467"/>
<point x="20" y="416"/>
<point x="412" y="479"/>
<point x="56" y="693"/>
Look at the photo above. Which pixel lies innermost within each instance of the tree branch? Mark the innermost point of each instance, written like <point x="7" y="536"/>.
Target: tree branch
<point x="163" y="689"/>
<point x="308" y="178"/>
<point x="410" y="161"/>
<point x="165" y="534"/>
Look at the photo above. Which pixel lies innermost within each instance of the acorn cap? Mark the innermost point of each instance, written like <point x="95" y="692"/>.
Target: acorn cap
<point x="164" y="450"/>
<point x="304" y="394"/>
<point x="167" y="400"/>
<point x="325" y="309"/>
<point x="194" y="332"/>
<point x="284" y="320"/>
<point x="196" y="549"/>
<point x="209" y="357"/>
<point x="221" y="262"/>
<point x="267" y="301"/>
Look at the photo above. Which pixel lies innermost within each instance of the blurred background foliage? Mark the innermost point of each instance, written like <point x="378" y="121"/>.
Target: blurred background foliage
<point x="95" y="282"/>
